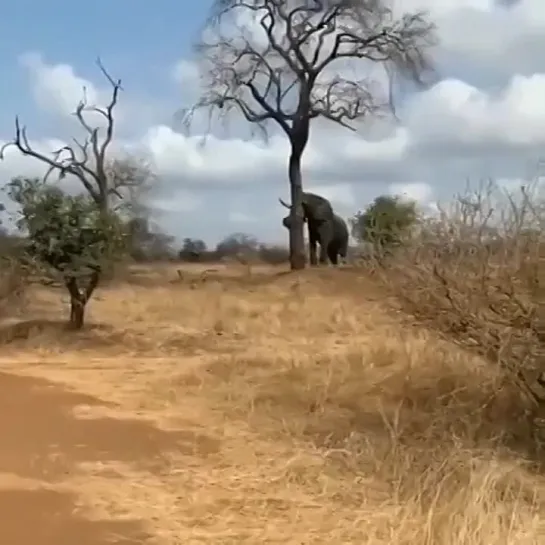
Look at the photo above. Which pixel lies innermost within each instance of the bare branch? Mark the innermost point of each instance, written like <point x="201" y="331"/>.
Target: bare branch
<point x="287" y="64"/>
<point x="85" y="160"/>
<point x="476" y="274"/>
<point x="130" y="179"/>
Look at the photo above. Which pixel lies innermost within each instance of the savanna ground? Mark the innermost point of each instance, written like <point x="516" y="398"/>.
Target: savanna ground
<point x="271" y="408"/>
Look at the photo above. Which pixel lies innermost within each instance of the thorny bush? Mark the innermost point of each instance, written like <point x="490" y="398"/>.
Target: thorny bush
<point x="14" y="280"/>
<point x="476" y="272"/>
<point x="15" y="275"/>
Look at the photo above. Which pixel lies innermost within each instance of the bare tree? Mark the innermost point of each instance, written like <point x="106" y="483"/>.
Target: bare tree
<point x="291" y="73"/>
<point x="85" y="160"/>
<point x="106" y="180"/>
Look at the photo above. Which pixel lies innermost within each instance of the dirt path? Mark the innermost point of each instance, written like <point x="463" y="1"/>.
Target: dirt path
<point x="42" y="445"/>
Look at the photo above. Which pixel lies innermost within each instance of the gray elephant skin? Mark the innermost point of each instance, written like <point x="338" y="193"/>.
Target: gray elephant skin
<point x="324" y="228"/>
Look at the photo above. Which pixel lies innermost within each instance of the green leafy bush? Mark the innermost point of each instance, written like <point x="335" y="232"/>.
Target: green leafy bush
<point x="385" y="222"/>
<point x="69" y="235"/>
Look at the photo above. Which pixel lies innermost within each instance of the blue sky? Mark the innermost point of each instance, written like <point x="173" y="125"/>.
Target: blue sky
<point x="136" y="42"/>
<point x="486" y="115"/>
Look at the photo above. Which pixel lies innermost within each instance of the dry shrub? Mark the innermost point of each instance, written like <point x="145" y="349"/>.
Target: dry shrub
<point x="243" y="261"/>
<point x="409" y="437"/>
<point x="476" y="273"/>
<point x="14" y="280"/>
<point x="274" y="254"/>
<point x="332" y="422"/>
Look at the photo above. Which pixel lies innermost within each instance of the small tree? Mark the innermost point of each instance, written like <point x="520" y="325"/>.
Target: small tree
<point x="237" y="244"/>
<point x="385" y="222"/>
<point x="292" y="72"/>
<point x="104" y="180"/>
<point x="192" y="249"/>
<point x="69" y="235"/>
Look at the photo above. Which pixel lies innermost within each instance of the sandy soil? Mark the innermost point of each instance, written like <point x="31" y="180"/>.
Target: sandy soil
<point x="268" y="408"/>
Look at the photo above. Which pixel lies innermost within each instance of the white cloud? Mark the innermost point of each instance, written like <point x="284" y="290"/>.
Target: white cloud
<point x="186" y="76"/>
<point x="57" y="87"/>
<point x="417" y="191"/>
<point x="339" y="194"/>
<point x="185" y="72"/>
<point x="450" y="115"/>
<point x="455" y="112"/>
<point x="421" y="193"/>
<point x="180" y="201"/>
<point x="487" y="36"/>
<point x="454" y="130"/>
<point x="240" y="217"/>
<point x="228" y="162"/>
<point x="15" y="164"/>
<point x="449" y="122"/>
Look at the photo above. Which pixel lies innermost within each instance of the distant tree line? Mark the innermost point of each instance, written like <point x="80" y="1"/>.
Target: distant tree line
<point x="382" y="225"/>
<point x="149" y="244"/>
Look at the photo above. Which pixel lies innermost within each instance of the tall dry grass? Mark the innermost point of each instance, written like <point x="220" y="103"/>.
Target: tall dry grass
<point x="13" y="286"/>
<point x="328" y="417"/>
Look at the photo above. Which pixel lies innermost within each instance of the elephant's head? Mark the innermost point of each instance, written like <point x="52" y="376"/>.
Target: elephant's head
<point x="316" y="209"/>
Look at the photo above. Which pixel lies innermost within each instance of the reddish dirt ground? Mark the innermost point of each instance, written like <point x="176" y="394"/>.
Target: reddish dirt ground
<point x="42" y="442"/>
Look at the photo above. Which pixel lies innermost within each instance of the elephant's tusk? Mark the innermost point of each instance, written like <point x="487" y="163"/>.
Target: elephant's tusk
<point x="284" y="204"/>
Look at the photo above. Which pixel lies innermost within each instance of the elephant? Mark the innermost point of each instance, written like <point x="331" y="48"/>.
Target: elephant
<point x="324" y="227"/>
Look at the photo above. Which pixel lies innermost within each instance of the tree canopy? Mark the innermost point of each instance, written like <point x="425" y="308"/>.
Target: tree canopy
<point x="385" y="221"/>
<point x="290" y="63"/>
<point x="237" y="243"/>
<point x="68" y="234"/>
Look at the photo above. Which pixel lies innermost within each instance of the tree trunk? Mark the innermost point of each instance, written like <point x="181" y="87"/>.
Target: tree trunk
<point x="297" y="240"/>
<point x="79" y="299"/>
<point x="77" y="313"/>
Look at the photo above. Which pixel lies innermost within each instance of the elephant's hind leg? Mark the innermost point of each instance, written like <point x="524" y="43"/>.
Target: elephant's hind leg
<point x="332" y="254"/>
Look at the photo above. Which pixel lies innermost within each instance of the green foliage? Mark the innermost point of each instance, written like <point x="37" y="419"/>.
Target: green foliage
<point x="193" y="245"/>
<point x="68" y="233"/>
<point x="385" y="222"/>
<point x="193" y="250"/>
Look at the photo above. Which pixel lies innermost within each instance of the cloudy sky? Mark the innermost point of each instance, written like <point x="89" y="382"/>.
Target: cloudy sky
<point x="485" y="116"/>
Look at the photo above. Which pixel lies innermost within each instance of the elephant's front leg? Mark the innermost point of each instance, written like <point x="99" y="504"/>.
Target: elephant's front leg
<point x="323" y="255"/>
<point x="312" y="247"/>
<point x="325" y="236"/>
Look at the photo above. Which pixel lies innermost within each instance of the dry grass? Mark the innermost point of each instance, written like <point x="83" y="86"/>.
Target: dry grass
<point x="326" y="420"/>
<point x="477" y="275"/>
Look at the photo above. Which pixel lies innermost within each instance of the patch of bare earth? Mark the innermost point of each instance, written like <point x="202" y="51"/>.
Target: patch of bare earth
<point x="255" y="408"/>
